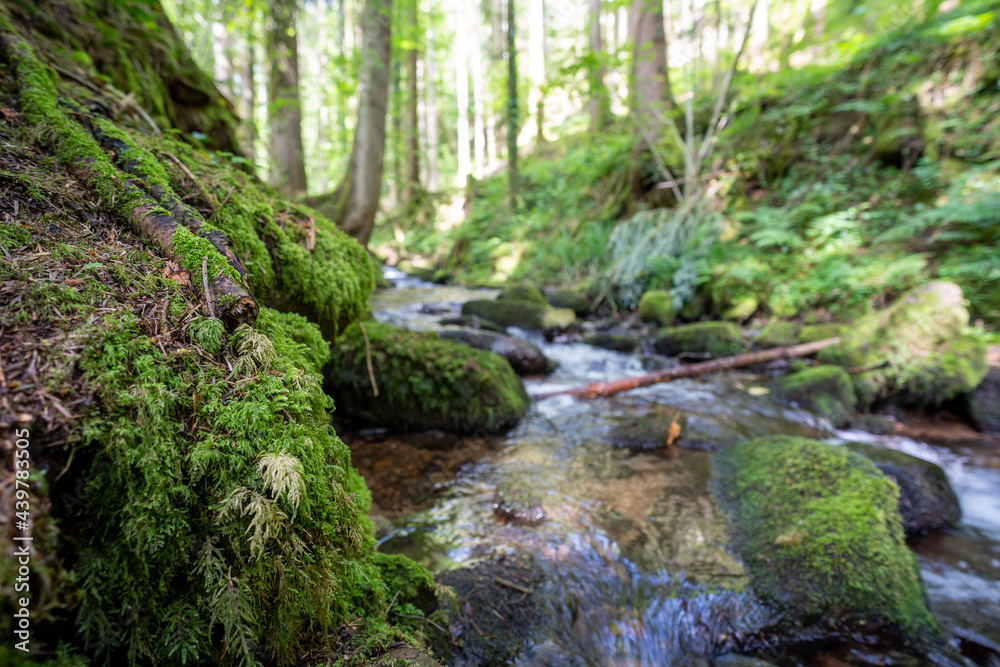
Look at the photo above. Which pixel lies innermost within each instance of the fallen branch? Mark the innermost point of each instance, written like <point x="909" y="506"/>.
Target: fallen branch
<point x="605" y="389"/>
<point x="510" y="584"/>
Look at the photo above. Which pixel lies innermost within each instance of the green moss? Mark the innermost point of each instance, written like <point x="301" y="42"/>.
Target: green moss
<point x="207" y="333"/>
<point x="615" y="342"/>
<point x="827" y="390"/>
<point x="957" y="367"/>
<point x="657" y="306"/>
<point x="778" y="333"/>
<point x="558" y="319"/>
<point x="741" y="310"/>
<point x="523" y="292"/>
<point x="719" y="339"/>
<point x="424" y="382"/>
<point x="820" y="533"/>
<point x="896" y="342"/>
<point x="524" y="314"/>
<point x="407" y="582"/>
<point x="814" y="332"/>
<point x="572" y="299"/>
<point x="191" y="250"/>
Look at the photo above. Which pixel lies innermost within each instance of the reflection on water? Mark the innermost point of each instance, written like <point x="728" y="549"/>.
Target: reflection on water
<point x="634" y="545"/>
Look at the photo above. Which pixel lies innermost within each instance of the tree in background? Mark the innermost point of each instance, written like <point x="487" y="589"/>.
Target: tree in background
<point x="649" y="85"/>
<point x="285" y="161"/>
<point x="599" y="104"/>
<point x="536" y="66"/>
<point x="512" y="119"/>
<point x="411" y="179"/>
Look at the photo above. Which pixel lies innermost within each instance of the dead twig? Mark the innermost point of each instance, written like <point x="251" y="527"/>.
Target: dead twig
<point x="224" y="202"/>
<point x="527" y="590"/>
<point x="212" y="201"/>
<point x="368" y="358"/>
<point x="204" y="279"/>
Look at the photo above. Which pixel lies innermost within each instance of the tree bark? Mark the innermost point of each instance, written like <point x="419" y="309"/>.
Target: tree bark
<point x="248" y="103"/>
<point x="649" y="85"/>
<point x="411" y="184"/>
<point x="286" y="163"/>
<point x="431" y="114"/>
<point x="605" y="389"/>
<point x="512" y="120"/>
<point x="536" y="66"/>
<point x="462" y="93"/>
<point x="479" y="137"/>
<point x="599" y="105"/>
<point x="360" y="190"/>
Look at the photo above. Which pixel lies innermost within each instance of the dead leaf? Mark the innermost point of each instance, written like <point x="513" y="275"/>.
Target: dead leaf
<point x="8" y="113"/>
<point x="673" y="431"/>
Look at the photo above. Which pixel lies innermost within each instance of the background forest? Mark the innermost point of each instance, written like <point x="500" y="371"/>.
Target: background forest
<point x="796" y="156"/>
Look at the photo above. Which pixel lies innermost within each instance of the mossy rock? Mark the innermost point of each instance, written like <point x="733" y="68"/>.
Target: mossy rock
<point x="779" y="333"/>
<point x="523" y="314"/>
<point x="819" y="530"/>
<point x="424" y="383"/>
<point x="957" y="367"/>
<point x="694" y="309"/>
<point x="523" y="292"/>
<point x="811" y="333"/>
<point x="657" y="306"/>
<point x="984" y="402"/>
<point x="407" y="582"/>
<point x="472" y="322"/>
<point x="926" y="499"/>
<point x="895" y="343"/>
<point x="741" y="309"/>
<point x="557" y="320"/>
<point x="572" y="299"/>
<point x="524" y="357"/>
<point x="614" y="342"/>
<point x="826" y="390"/>
<point x="719" y="339"/>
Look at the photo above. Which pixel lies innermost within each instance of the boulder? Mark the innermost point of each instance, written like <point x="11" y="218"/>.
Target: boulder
<point x="984" y="402"/>
<point x="472" y="322"/>
<point x="811" y="333"/>
<point x="741" y="309"/>
<point x="657" y="306"/>
<point x="523" y="292"/>
<point x="424" y="382"/>
<point x="778" y="333"/>
<point x="719" y="339"/>
<point x="819" y="530"/>
<point x="926" y="499"/>
<point x="572" y="299"/>
<point x="826" y="390"/>
<point x="614" y="342"/>
<point x="956" y="367"/>
<point x="694" y="309"/>
<point x="523" y="314"/>
<point x="895" y="343"/>
<point x="524" y="357"/>
<point x="557" y="320"/>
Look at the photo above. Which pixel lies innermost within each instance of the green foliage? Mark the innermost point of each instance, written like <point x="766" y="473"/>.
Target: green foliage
<point x="819" y="530"/>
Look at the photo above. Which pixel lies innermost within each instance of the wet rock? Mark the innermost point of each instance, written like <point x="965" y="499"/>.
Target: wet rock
<point x="718" y="339"/>
<point x="498" y="612"/>
<point x="737" y="660"/>
<point x="877" y="424"/>
<point x="515" y="503"/>
<point x="523" y="292"/>
<point x="571" y="299"/>
<point x="657" y="306"/>
<point x="900" y="343"/>
<point x="472" y="322"/>
<point x="524" y="357"/>
<point x="413" y="657"/>
<point x="926" y="499"/>
<point x="557" y="320"/>
<point x="984" y="402"/>
<point x="779" y="334"/>
<point x="819" y="530"/>
<point x="523" y="314"/>
<point x="826" y="390"/>
<point x="642" y="433"/>
<point x="615" y="342"/>
<point x="423" y="382"/>
<point x="742" y="309"/>
<point x="957" y="367"/>
<point x="814" y="332"/>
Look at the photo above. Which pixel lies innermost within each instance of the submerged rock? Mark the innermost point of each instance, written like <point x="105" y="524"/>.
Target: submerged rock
<point x="424" y="382"/>
<point x="819" y="529"/>
<point x="900" y="344"/>
<point x="615" y="342"/>
<point x="826" y="390"/>
<point x="524" y="357"/>
<point x="657" y="306"/>
<point x="984" y="402"/>
<point x="779" y="334"/>
<point x="719" y="339"/>
<point x="572" y="299"/>
<point x="517" y="504"/>
<point x="926" y="499"/>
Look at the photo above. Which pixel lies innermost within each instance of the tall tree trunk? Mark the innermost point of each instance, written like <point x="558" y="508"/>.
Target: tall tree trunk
<point x="396" y="137"/>
<point x="287" y="168"/>
<point x="360" y="190"/>
<point x="411" y="183"/>
<point x="479" y="137"/>
<point x="431" y="114"/>
<point x="599" y="105"/>
<point x="512" y="120"/>
<point x="536" y="66"/>
<point x="248" y="103"/>
<point x="341" y="59"/>
<point x="649" y="85"/>
<point x="462" y="92"/>
<point x="222" y="50"/>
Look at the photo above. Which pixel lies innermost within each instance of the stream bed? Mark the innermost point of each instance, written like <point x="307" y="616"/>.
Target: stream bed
<point x="632" y="544"/>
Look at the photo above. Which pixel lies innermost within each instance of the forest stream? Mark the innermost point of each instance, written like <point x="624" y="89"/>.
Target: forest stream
<point x="632" y="545"/>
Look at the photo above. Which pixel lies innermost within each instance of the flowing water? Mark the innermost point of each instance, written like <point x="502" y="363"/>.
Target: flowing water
<point x="633" y="545"/>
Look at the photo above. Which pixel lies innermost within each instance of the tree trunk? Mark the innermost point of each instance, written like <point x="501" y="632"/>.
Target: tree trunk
<point x="396" y="137"/>
<point x="462" y="93"/>
<point x="431" y="115"/>
<point x="361" y="187"/>
<point x="248" y="103"/>
<point x="599" y="106"/>
<point x="649" y="86"/>
<point x="411" y="184"/>
<point x="286" y="165"/>
<point x="512" y="120"/>
<point x="341" y="58"/>
<point x="479" y="137"/>
<point x="536" y="66"/>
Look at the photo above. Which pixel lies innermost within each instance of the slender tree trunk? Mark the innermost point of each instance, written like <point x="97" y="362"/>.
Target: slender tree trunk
<point x="287" y="167"/>
<point x="248" y="103"/>
<point x="479" y="136"/>
<point x="396" y="138"/>
<point x="462" y="93"/>
<point x="411" y="184"/>
<point x="342" y="60"/>
<point x="360" y="190"/>
<point x="649" y="85"/>
<point x="599" y="106"/>
<point x="222" y="49"/>
<point x="536" y="66"/>
<point x="431" y="114"/>
<point x="512" y="120"/>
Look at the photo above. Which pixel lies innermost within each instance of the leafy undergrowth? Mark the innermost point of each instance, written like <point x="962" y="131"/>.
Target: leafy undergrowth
<point x="845" y="183"/>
